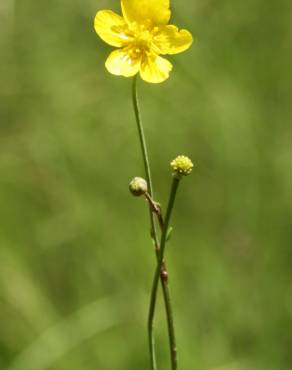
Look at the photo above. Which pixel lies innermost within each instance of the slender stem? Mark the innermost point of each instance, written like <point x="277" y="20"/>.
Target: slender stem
<point x="159" y="273"/>
<point x="145" y="157"/>
<point x="142" y="136"/>
<point x="163" y="276"/>
<point x="165" y="288"/>
<point x="170" y="324"/>
<point x="150" y="189"/>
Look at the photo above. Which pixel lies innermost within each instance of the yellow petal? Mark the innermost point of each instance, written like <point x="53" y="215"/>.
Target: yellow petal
<point x="119" y="63"/>
<point x="111" y="28"/>
<point x="170" y="40"/>
<point x="155" y="69"/>
<point x="147" y="12"/>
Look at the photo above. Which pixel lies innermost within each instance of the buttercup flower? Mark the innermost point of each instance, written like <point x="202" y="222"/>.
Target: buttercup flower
<point x="141" y="35"/>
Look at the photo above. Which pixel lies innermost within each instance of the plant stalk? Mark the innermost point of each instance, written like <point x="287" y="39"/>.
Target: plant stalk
<point x="160" y="273"/>
<point x="153" y="232"/>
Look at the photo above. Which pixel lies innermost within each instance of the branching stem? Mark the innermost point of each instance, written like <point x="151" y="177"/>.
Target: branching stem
<point x="160" y="262"/>
<point x="160" y="273"/>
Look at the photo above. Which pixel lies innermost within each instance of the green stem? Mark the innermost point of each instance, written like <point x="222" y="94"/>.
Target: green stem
<point x="142" y="138"/>
<point x="159" y="273"/>
<point x="150" y="189"/>
<point x="163" y="278"/>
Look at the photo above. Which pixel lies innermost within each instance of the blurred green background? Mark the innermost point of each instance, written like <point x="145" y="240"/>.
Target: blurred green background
<point x="76" y="262"/>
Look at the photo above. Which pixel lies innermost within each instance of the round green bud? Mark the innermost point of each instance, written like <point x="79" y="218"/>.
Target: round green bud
<point x="181" y="165"/>
<point x="138" y="186"/>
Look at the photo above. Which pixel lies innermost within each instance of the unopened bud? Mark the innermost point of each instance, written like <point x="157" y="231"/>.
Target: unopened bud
<point x="181" y="166"/>
<point x="138" y="186"/>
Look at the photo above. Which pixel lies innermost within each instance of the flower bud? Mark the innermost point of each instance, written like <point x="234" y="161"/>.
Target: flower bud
<point x="181" y="166"/>
<point x="138" y="186"/>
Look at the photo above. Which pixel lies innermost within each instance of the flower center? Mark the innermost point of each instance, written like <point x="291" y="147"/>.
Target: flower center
<point x="141" y="42"/>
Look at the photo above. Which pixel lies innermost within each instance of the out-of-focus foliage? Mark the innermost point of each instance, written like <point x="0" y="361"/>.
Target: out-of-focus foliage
<point x="76" y="263"/>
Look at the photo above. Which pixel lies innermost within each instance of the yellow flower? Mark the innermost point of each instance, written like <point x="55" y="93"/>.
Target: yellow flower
<point x="142" y="34"/>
